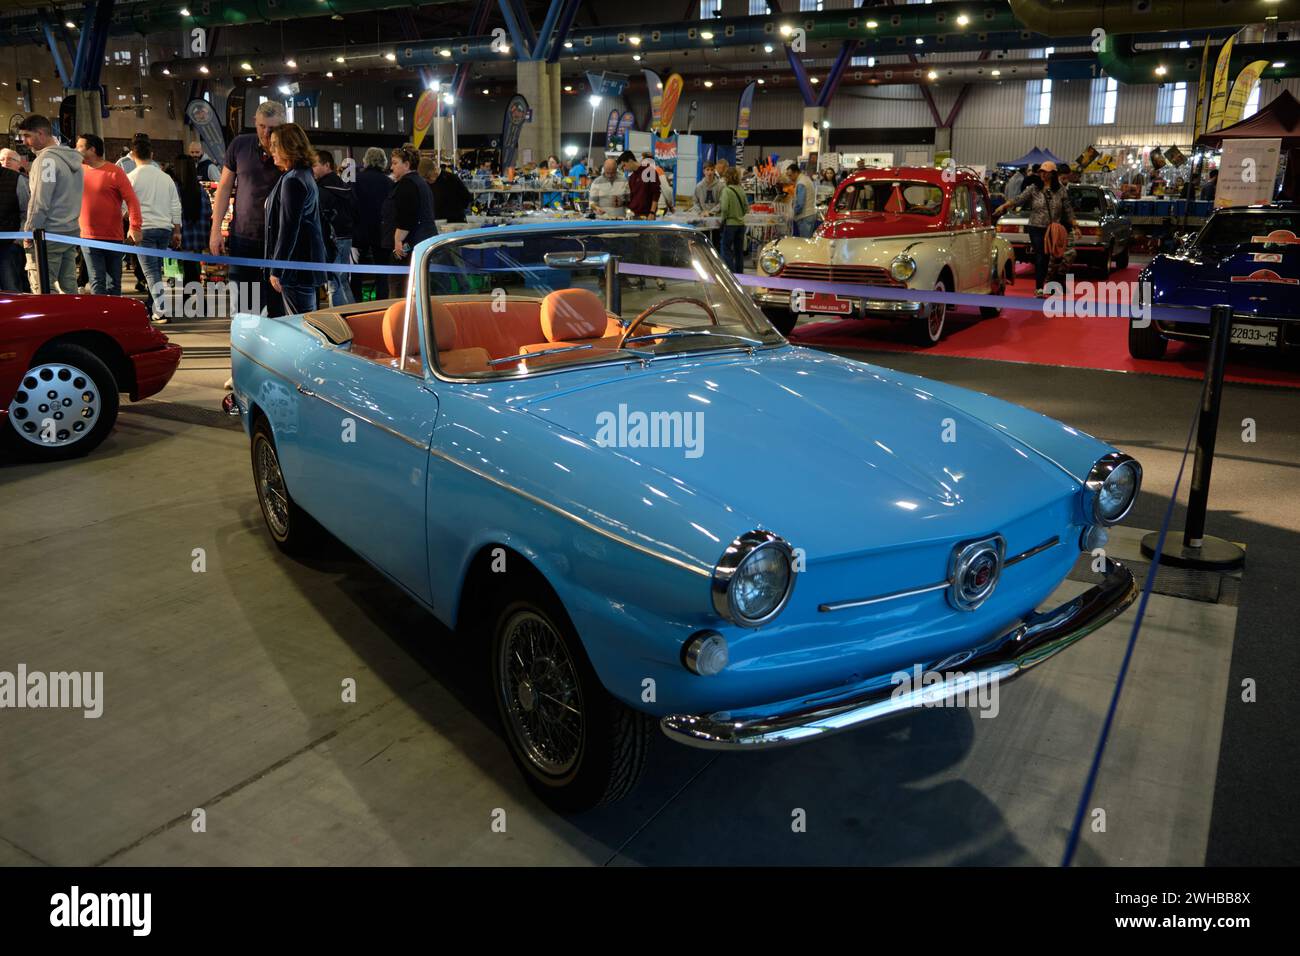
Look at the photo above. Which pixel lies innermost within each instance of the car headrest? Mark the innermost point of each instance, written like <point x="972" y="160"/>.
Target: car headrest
<point x="444" y="325"/>
<point x="569" y="314"/>
<point x="394" y="319"/>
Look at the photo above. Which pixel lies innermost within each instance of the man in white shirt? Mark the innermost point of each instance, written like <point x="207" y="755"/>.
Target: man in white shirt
<point x="609" y="193"/>
<point x="160" y="213"/>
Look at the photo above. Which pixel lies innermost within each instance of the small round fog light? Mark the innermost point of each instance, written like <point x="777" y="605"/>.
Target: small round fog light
<point x="706" y="653"/>
<point x="1093" y="537"/>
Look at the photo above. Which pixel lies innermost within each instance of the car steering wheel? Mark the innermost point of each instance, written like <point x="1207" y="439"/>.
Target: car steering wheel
<point x="708" y="309"/>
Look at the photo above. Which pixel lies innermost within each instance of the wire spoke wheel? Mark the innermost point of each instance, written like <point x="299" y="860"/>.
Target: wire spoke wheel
<point x="270" y="488"/>
<point x="541" y="691"/>
<point x="56" y="405"/>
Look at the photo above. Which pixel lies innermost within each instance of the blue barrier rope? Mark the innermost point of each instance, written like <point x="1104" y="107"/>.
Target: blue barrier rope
<point x="1072" y="844"/>
<point x="889" y="293"/>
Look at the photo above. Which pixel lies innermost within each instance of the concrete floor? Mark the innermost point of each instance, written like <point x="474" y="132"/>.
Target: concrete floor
<point x="223" y="693"/>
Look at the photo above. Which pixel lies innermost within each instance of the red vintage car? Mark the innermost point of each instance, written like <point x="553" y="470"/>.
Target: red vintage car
<point x="63" y="361"/>
<point x="899" y="227"/>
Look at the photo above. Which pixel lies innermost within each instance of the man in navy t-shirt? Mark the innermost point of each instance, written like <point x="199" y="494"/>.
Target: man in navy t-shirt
<point x="250" y="172"/>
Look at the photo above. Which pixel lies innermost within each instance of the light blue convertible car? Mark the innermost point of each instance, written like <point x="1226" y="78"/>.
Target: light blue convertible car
<point x="582" y="445"/>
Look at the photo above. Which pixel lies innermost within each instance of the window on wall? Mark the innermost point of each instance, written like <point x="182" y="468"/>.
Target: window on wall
<point x="338" y="115"/>
<point x="361" y="117"/>
<point x="401" y="119"/>
<point x="1104" y="101"/>
<point x="710" y="9"/>
<point x="810" y="5"/>
<point x="1171" y="103"/>
<point x="757" y="8"/>
<point x="288" y="112"/>
<point x="379" y="117"/>
<point x="1252" y="102"/>
<point x="1038" y="102"/>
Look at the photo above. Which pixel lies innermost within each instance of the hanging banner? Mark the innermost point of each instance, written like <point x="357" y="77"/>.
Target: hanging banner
<point x="234" y="114"/>
<point x="742" y="120"/>
<point x="1219" y="92"/>
<point x="655" y="88"/>
<point x="426" y="108"/>
<point x="1157" y="159"/>
<point x="1241" y="90"/>
<point x="1174" y="156"/>
<point x="611" y="126"/>
<point x="607" y="84"/>
<point x="212" y="137"/>
<point x="1086" y="158"/>
<point x="668" y="105"/>
<point x="625" y="123"/>
<point x="516" y="115"/>
<point x="1202" y="94"/>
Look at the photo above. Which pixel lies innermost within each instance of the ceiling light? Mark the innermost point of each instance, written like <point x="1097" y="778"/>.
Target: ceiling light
<point x="708" y="84"/>
<point x="245" y="65"/>
<point x="568" y="88"/>
<point x="390" y="57"/>
<point x="70" y="25"/>
<point x="449" y="98"/>
<point x="962" y="19"/>
<point x="1160" y="70"/>
<point x="920" y="41"/>
<point x="486" y="92"/>
<point x="637" y="57"/>
<point x="826" y="124"/>
<point x="203" y="70"/>
<point x="329" y="74"/>
<point x="871" y="61"/>
<point x="932" y="75"/>
<point x="284" y="89"/>
<point x="594" y="100"/>
<point x="166" y="72"/>
<point x="786" y="29"/>
<point x="436" y="85"/>
<point x="1277" y="65"/>
<point x="444" y="52"/>
<point x="767" y="48"/>
<point x="291" y="63"/>
<point x="185" y="11"/>
<point x="568" y="44"/>
<point x="872" y="24"/>
<point x="410" y="96"/>
<point x="339" y="59"/>
<point x="814" y="80"/>
<point x="706" y="35"/>
<point x="997" y="72"/>
<point x="634" y="40"/>
<point x="761" y="81"/>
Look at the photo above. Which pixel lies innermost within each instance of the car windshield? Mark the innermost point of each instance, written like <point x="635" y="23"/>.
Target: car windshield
<point x="1251" y="229"/>
<point x="1086" y="200"/>
<point x="890" y="195"/>
<point x="518" y="302"/>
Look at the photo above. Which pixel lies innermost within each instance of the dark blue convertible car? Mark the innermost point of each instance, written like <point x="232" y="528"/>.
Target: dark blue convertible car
<point x="1245" y="256"/>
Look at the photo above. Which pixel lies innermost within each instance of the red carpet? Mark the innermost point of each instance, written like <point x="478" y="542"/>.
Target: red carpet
<point x="1034" y="338"/>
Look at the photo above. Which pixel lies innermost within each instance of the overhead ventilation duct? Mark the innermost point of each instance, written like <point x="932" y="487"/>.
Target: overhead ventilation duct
<point x="1119" y="58"/>
<point x="1058" y="18"/>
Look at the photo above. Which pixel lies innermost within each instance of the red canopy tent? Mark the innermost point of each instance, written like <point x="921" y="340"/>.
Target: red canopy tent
<point x="1280" y="119"/>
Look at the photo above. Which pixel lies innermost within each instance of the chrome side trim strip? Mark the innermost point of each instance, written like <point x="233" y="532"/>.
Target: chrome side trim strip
<point x="1039" y="549"/>
<point x="893" y="596"/>
<point x="388" y="429"/>
<point x="703" y="570"/>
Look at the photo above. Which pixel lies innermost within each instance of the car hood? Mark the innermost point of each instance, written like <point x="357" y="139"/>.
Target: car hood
<point x="1252" y="279"/>
<point x="883" y="225"/>
<point x="825" y="451"/>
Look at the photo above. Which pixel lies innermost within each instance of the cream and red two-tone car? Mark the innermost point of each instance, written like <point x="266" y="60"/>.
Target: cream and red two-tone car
<point x="898" y="227"/>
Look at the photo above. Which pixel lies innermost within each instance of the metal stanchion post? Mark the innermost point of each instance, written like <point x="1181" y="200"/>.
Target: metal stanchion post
<point x="1198" y="550"/>
<point x="42" y="260"/>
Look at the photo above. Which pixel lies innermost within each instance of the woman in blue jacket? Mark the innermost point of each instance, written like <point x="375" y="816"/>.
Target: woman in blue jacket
<point x="293" y="232"/>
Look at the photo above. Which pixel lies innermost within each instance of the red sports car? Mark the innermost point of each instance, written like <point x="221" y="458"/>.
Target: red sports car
<point x="63" y="361"/>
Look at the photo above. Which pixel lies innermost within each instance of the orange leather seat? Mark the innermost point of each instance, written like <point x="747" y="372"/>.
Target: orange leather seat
<point x="368" y="330"/>
<point x="574" y="317"/>
<point x="502" y="332"/>
<point x="446" y="330"/>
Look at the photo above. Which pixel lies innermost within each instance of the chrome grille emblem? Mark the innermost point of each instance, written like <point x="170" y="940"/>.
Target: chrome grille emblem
<point x="973" y="572"/>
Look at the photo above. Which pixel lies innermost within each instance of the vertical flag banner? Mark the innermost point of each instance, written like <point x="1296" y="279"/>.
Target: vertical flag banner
<point x="655" y="88"/>
<point x="516" y="114"/>
<point x="212" y="137"/>
<point x="625" y="123"/>
<point x="426" y="107"/>
<point x="1219" y="95"/>
<point x="742" y="120"/>
<point x="1241" y="90"/>
<point x="234" y="114"/>
<point x="611" y="125"/>
<point x="1202" y="94"/>
<point x="668" y="105"/>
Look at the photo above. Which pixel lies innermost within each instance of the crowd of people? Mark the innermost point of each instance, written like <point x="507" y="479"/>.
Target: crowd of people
<point x="290" y="205"/>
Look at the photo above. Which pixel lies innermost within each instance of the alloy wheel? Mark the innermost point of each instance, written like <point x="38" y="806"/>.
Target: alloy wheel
<point x="56" y="405"/>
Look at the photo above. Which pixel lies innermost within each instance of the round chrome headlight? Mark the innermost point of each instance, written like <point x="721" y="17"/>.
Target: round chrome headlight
<point x="1113" y="486"/>
<point x="903" y="267"/>
<point x="753" y="579"/>
<point x="771" y="261"/>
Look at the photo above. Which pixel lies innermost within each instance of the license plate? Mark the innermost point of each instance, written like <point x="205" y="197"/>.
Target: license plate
<point x="826" y="302"/>
<point x="1265" y="335"/>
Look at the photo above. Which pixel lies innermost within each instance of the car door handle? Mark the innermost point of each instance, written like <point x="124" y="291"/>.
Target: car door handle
<point x="306" y="391"/>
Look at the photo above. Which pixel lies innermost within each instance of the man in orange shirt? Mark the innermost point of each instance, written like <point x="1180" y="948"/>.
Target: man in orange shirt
<point x="105" y="191"/>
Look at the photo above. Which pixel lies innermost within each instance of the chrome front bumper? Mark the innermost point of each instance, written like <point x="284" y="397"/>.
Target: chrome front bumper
<point x="883" y="307"/>
<point x="1038" y="637"/>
